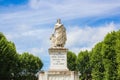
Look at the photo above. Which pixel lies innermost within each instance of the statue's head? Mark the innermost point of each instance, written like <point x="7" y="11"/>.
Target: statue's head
<point x="59" y="21"/>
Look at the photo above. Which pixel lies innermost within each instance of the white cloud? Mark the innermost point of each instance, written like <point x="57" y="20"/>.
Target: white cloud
<point x="37" y="51"/>
<point x="35" y="4"/>
<point x="25" y="31"/>
<point x="48" y="11"/>
<point x="86" y="37"/>
<point x="78" y="38"/>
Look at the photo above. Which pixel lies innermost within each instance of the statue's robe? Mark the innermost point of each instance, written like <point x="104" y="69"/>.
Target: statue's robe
<point x="60" y="35"/>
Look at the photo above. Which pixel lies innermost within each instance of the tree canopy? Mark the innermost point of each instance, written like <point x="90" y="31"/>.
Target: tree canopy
<point x="17" y="66"/>
<point x="103" y="61"/>
<point x="71" y="61"/>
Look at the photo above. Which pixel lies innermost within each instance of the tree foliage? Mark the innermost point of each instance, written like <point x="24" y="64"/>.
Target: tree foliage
<point x="83" y="65"/>
<point x="118" y="54"/>
<point x="29" y="66"/>
<point x="96" y="62"/>
<point x="14" y="66"/>
<point x="8" y="58"/>
<point x="103" y="61"/>
<point x="71" y="61"/>
<point x="109" y="56"/>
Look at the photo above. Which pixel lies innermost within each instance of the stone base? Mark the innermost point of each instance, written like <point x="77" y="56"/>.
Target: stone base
<point x="58" y="59"/>
<point x="58" y="66"/>
<point x="58" y="75"/>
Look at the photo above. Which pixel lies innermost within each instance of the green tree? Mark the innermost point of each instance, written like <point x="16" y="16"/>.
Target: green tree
<point x="96" y="62"/>
<point x="71" y="61"/>
<point x="109" y="56"/>
<point x="105" y="58"/>
<point x="8" y="57"/>
<point x="103" y="62"/>
<point x="14" y="66"/>
<point x="83" y="65"/>
<point x="118" y="54"/>
<point x="30" y="65"/>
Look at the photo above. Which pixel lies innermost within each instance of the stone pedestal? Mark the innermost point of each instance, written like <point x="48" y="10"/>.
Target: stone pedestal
<point x="58" y="66"/>
<point x="58" y="59"/>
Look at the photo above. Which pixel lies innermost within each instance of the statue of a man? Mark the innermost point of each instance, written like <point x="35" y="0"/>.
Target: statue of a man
<point x="58" y="39"/>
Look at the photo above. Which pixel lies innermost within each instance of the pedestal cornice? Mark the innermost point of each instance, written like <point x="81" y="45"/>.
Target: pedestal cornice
<point x="57" y="49"/>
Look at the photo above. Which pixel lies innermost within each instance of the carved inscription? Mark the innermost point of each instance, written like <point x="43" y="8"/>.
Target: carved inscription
<point x="58" y="59"/>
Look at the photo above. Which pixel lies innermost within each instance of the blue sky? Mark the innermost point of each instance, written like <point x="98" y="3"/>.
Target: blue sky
<point x="30" y="23"/>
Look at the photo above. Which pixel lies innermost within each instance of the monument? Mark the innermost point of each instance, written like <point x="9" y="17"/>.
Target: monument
<point x="58" y="57"/>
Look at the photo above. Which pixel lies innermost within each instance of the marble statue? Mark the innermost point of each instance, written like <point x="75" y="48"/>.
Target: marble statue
<point x="58" y="38"/>
<point x="58" y="57"/>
